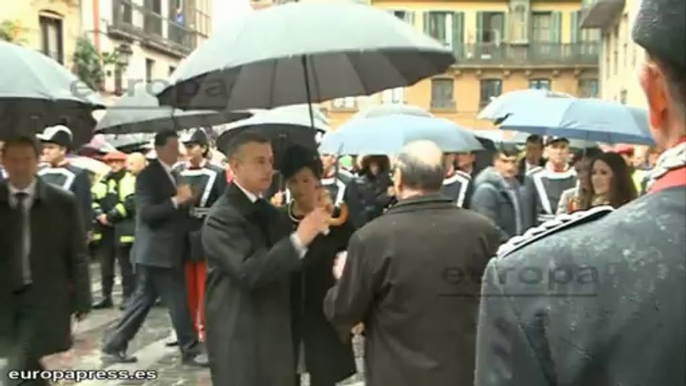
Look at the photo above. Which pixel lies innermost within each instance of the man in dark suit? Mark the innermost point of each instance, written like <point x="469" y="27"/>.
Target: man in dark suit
<point x="418" y="300"/>
<point x="161" y="218"/>
<point x="533" y="157"/>
<point x="251" y="254"/>
<point x="44" y="275"/>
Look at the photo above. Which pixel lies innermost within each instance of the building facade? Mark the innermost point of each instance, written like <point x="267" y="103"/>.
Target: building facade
<point x="500" y="46"/>
<point x="49" y="26"/>
<point x="150" y="37"/>
<point x="620" y="58"/>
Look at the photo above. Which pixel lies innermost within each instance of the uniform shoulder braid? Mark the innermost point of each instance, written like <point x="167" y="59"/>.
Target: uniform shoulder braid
<point x="559" y="223"/>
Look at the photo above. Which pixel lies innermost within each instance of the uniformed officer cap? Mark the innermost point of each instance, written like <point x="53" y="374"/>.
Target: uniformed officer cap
<point x="660" y="28"/>
<point x="197" y="136"/>
<point x="59" y="135"/>
<point x="554" y="138"/>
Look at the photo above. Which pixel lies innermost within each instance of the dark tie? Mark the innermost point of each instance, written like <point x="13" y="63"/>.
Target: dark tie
<point x="20" y="252"/>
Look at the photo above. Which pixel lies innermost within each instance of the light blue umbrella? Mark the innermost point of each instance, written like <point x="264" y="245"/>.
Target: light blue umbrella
<point x="586" y="119"/>
<point x="388" y="134"/>
<point x="500" y="107"/>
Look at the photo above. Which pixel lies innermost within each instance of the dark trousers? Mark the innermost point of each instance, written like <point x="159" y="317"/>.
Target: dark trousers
<point x="109" y="251"/>
<point x="22" y="355"/>
<point x="154" y="282"/>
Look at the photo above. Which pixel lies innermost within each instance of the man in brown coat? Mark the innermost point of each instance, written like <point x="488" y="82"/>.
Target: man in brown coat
<point x="412" y="276"/>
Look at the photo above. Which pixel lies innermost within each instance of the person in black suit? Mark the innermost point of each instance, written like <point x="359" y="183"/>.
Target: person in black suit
<point x="533" y="157"/>
<point x="44" y="275"/>
<point x="158" y="253"/>
<point x="251" y="252"/>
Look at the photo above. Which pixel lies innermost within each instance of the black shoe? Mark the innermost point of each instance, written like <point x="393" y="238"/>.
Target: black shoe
<point x="117" y="357"/>
<point x="104" y="303"/>
<point x="198" y="360"/>
<point x="158" y="303"/>
<point x="123" y="304"/>
<point x="172" y="343"/>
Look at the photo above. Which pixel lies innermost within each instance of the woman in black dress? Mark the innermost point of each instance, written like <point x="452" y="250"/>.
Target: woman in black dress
<point x="319" y="348"/>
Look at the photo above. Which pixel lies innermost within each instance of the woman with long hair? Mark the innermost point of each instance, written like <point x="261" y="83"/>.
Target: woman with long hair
<point x="610" y="181"/>
<point x="570" y="200"/>
<point x="319" y="348"/>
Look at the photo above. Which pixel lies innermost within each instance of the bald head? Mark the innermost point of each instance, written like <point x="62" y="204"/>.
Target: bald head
<point x="136" y="162"/>
<point x="421" y="167"/>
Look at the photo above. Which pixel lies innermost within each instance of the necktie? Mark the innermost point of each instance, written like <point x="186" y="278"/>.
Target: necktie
<point x="21" y="261"/>
<point x="261" y="210"/>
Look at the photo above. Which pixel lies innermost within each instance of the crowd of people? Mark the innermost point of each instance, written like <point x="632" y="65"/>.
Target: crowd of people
<point x="450" y="269"/>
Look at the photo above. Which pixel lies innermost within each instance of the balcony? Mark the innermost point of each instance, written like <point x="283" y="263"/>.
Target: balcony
<point x="600" y="13"/>
<point x="527" y="55"/>
<point x="131" y="21"/>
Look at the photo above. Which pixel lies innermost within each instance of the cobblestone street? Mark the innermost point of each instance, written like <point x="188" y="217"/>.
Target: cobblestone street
<point x="148" y="346"/>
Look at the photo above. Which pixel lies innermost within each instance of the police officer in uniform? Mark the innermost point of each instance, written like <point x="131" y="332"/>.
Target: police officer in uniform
<point x="208" y="182"/>
<point x="114" y="215"/>
<point x="544" y="186"/>
<point x="603" y="298"/>
<point x="57" y="142"/>
<point x="457" y="184"/>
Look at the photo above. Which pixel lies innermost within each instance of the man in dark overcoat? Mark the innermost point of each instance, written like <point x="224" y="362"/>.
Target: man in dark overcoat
<point x="251" y="254"/>
<point x="412" y="276"/>
<point x="44" y="275"/>
<point x="600" y="299"/>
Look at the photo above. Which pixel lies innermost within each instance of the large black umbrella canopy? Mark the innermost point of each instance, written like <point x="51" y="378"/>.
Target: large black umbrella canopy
<point x="36" y="92"/>
<point x="386" y="109"/>
<point x="345" y="49"/>
<point x="284" y="126"/>
<point x="139" y="111"/>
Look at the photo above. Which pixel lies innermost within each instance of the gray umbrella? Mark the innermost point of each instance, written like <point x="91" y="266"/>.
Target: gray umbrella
<point x="345" y="49"/>
<point x="36" y="91"/>
<point x="392" y="109"/>
<point x="139" y="111"/>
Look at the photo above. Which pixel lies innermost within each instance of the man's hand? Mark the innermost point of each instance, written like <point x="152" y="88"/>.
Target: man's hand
<point x="314" y="223"/>
<point x="339" y="265"/>
<point x="278" y="199"/>
<point x="184" y="194"/>
<point x="102" y="219"/>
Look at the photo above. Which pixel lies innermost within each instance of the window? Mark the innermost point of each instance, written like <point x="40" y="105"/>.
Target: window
<point x="153" y="17"/>
<point x="439" y="26"/>
<point x="625" y="41"/>
<point x="171" y="70"/>
<point x="539" y="84"/>
<point x="615" y="50"/>
<point x="587" y="88"/>
<point x="52" y="43"/>
<point x="442" y="93"/>
<point x="149" y="67"/>
<point x="542" y="26"/>
<point x="490" y="27"/>
<point x="118" y="80"/>
<point x="622" y="96"/>
<point x="490" y="88"/>
<point x="344" y="103"/>
<point x="394" y="95"/>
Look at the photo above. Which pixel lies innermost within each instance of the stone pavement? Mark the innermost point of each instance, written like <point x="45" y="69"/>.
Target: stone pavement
<point x="148" y="346"/>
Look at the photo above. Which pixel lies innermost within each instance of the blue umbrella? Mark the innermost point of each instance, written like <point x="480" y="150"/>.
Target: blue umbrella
<point x="500" y="107"/>
<point x="388" y="134"/>
<point x="587" y="119"/>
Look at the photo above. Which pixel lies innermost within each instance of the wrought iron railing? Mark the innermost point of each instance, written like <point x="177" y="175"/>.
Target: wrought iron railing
<point x="536" y="53"/>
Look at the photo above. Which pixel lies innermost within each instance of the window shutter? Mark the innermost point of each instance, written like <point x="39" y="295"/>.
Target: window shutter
<point x="410" y="17"/>
<point x="458" y="33"/>
<point x="427" y="20"/>
<point x="574" y="32"/>
<point x="555" y="29"/>
<point x="479" y="27"/>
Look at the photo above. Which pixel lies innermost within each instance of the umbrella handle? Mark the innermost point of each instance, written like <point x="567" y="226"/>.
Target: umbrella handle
<point x="342" y="216"/>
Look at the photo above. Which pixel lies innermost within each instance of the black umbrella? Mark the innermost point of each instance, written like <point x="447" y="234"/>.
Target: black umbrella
<point x="36" y="92"/>
<point x="140" y="112"/>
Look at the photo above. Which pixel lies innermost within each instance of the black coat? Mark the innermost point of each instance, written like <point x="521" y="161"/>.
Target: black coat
<point x="59" y="268"/>
<point x="607" y="306"/>
<point x="250" y="259"/>
<point x="160" y="228"/>
<point x="328" y="357"/>
<point x="414" y="282"/>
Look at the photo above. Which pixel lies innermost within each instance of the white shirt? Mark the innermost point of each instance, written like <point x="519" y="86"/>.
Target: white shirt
<point x="297" y="244"/>
<point x="30" y="191"/>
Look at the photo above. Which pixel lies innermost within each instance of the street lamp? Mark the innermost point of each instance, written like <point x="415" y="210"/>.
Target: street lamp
<point x="124" y="52"/>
